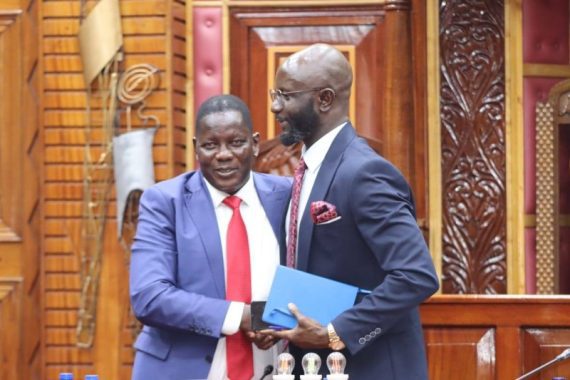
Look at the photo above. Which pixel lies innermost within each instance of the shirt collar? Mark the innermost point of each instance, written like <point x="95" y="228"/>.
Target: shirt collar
<point x="315" y="155"/>
<point x="247" y="193"/>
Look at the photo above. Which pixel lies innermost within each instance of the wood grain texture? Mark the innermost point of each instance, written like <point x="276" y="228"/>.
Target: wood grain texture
<point x="21" y="159"/>
<point x="494" y="337"/>
<point x="384" y="65"/>
<point x="462" y="342"/>
<point x="253" y="30"/>
<point x="11" y="359"/>
<point x="154" y="33"/>
<point x="11" y="82"/>
<point x="473" y="146"/>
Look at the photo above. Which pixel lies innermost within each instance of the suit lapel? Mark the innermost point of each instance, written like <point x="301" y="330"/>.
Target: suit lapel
<point x="271" y="201"/>
<point x="201" y="211"/>
<point x="284" y="228"/>
<point x="320" y="188"/>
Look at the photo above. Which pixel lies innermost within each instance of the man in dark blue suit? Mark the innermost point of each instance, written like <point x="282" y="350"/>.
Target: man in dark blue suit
<point x="182" y="264"/>
<point x="373" y="242"/>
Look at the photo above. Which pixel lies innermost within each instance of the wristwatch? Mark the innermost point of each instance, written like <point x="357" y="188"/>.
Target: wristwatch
<point x="334" y="340"/>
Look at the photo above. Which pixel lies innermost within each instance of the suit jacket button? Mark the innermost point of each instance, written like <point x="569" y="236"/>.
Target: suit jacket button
<point x="361" y="340"/>
<point x="367" y="337"/>
<point x="378" y="330"/>
<point x="372" y="334"/>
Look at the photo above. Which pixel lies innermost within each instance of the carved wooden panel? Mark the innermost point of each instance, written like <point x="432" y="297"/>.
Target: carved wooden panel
<point x="472" y="350"/>
<point x="473" y="146"/>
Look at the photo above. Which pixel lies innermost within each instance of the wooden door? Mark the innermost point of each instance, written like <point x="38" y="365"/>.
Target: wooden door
<point x="377" y="41"/>
<point x="20" y="201"/>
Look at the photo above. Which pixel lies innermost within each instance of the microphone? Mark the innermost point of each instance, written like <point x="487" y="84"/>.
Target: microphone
<point x="562" y="356"/>
<point x="268" y="369"/>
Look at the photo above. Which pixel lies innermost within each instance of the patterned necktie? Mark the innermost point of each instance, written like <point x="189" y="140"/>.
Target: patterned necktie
<point x="239" y="353"/>
<point x="294" y="216"/>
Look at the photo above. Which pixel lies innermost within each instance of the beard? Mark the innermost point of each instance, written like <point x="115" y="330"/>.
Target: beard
<point x="301" y="126"/>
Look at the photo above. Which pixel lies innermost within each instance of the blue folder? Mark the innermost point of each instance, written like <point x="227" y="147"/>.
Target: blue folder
<point x="319" y="298"/>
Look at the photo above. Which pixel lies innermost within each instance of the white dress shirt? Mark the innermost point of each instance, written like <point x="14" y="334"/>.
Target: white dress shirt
<point x="314" y="157"/>
<point x="264" y="259"/>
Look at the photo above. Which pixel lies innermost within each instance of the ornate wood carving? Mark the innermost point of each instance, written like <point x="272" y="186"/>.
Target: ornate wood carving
<point x="275" y="158"/>
<point x="473" y="146"/>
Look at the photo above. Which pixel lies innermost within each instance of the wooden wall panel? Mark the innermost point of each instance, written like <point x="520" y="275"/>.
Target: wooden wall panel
<point x="20" y="195"/>
<point x="263" y="35"/>
<point x="495" y="337"/>
<point x="472" y="350"/>
<point x="378" y="36"/>
<point x="11" y="59"/>
<point x="420" y="96"/>
<point x="32" y="160"/>
<point x="154" y="32"/>
<point x="541" y="345"/>
<point x="11" y="361"/>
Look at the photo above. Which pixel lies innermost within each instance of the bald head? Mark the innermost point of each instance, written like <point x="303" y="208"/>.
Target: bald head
<point x="321" y="65"/>
<point x="313" y="92"/>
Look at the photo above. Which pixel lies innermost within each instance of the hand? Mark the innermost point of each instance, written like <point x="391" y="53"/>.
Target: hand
<point x="262" y="341"/>
<point x="307" y="334"/>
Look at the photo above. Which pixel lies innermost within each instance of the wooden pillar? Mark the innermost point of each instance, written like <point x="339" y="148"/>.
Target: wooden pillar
<point x="398" y="88"/>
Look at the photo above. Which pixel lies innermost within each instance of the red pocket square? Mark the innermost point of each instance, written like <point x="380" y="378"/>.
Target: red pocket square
<point x="323" y="212"/>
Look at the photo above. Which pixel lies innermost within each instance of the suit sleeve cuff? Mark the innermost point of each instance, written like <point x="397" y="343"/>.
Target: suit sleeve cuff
<point x="233" y="318"/>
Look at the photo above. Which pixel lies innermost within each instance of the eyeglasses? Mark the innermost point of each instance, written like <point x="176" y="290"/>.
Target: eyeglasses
<point x="278" y="94"/>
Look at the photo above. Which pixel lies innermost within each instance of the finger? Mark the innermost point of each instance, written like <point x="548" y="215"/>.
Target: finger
<point x="270" y="332"/>
<point x="266" y="342"/>
<point x="295" y="310"/>
<point x="281" y="334"/>
<point x="267" y="346"/>
<point x="301" y="318"/>
<point x="267" y="339"/>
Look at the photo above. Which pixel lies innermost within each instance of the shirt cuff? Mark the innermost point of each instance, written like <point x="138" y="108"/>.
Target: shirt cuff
<point x="233" y="318"/>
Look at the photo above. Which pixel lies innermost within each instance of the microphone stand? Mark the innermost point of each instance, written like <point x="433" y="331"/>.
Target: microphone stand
<point x="563" y="356"/>
<point x="267" y="370"/>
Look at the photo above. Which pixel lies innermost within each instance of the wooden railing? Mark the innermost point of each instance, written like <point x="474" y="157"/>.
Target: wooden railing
<point x="495" y="337"/>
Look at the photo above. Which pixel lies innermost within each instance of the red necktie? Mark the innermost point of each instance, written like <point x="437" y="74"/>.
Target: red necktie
<point x="239" y="354"/>
<point x="294" y="216"/>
